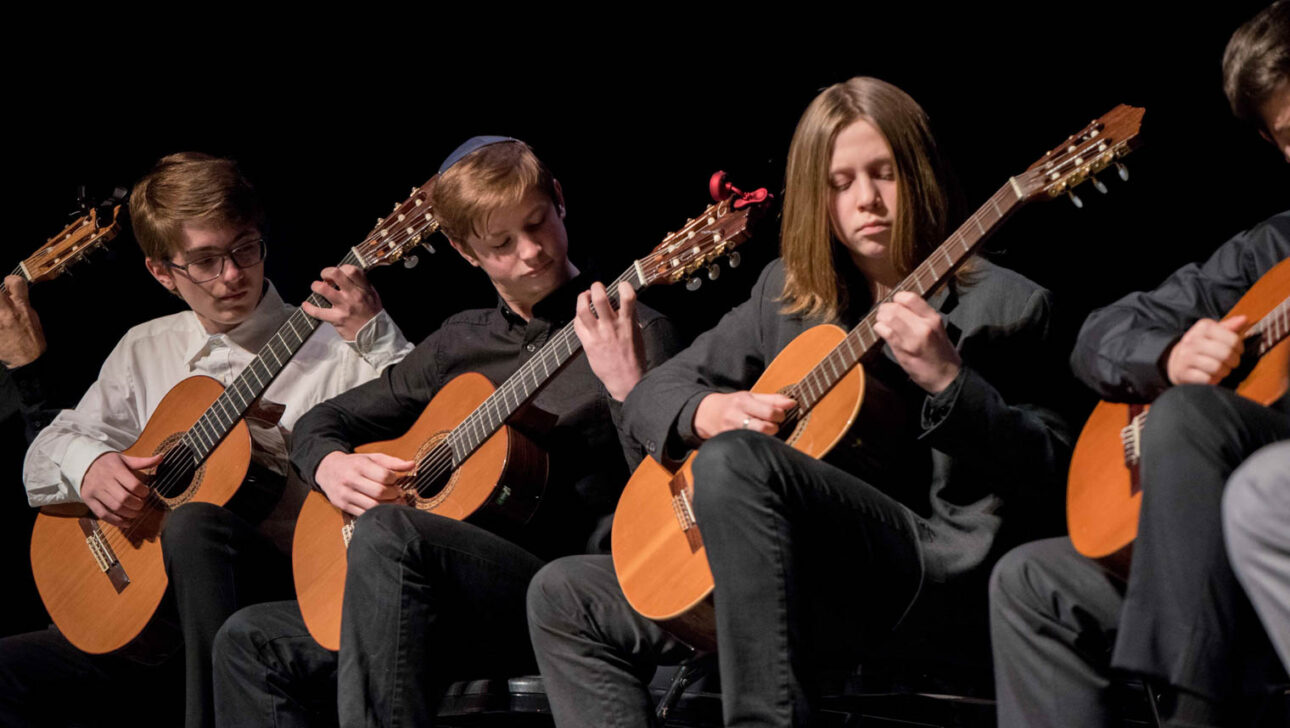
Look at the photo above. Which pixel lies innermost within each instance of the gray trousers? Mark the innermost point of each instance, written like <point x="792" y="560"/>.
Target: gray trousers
<point x="1059" y="623"/>
<point x="1256" y="524"/>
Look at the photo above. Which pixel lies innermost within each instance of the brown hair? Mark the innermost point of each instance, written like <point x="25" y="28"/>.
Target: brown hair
<point x="812" y="257"/>
<point x="485" y="181"/>
<point x="190" y="187"/>
<point x="1257" y="61"/>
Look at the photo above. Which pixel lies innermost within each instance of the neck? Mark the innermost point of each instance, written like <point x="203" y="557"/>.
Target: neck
<point x="522" y="306"/>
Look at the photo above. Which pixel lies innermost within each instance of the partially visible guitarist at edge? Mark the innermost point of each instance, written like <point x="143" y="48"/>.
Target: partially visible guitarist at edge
<point x="815" y="565"/>
<point x="1060" y="622"/>
<point x="429" y="599"/>
<point x="199" y="223"/>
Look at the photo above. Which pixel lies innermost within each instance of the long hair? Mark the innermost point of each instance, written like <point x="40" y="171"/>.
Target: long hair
<point x="812" y="256"/>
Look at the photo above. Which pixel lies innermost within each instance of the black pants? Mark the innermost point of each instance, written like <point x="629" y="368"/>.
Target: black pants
<point x="1059" y="622"/>
<point x="428" y="600"/>
<point x="811" y="567"/>
<point x="216" y="563"/>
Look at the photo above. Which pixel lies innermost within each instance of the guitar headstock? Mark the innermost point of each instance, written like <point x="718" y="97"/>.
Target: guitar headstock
<point x="714" y="233"/>
<point x="1094" y="148"/>
<point x="410" y="224"/>
<point x="82" y="235"/>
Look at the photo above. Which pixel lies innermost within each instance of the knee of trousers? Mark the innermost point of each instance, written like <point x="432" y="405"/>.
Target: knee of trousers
<point x="190" y="531"/>
<point x="729" y="469"/>
<point x="1250" y="512"/>
<point x="1184" y="416"/>
<point x="552" y="599"/>
<point x="235" y="640"/>
<point x="381" y="535"/>
<point x="1016" y="582"/>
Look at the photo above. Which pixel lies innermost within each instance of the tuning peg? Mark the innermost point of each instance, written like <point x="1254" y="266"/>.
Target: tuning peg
<point x="693" y="284"/>
<point x="410" y="261"/>
<point x="735" y="259"/>
<point x="1075" y="200"/>
<point x="1122" y="170"/>
<point x="1097" y="184"/>
<point x="428" y="247"/>
<point x="714" y="272"/>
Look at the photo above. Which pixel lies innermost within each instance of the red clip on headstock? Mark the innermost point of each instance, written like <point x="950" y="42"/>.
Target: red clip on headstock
<point x="720" y="188"/>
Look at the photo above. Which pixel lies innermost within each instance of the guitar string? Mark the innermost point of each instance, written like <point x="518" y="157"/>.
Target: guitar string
<point x="441" y="458"/>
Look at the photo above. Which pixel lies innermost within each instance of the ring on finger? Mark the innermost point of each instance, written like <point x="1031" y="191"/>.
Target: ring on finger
<point x="744" y="426"/>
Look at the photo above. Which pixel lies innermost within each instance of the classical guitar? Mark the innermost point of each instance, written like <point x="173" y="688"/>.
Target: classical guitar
<point x="658" y="549"/>
<point x="71" y="245"/>
<point x="470" y="463"/>
<point x="1103" y="493"/>
<point x="102" y="584"/>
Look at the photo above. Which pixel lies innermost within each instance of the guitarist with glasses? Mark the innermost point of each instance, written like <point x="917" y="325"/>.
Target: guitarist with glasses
<point x="199" y="223"/>
<point x="430" y="599"/>
<point x="1062" y="622"/>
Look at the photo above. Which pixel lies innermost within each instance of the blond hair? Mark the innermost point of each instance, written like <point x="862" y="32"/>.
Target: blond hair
<point x="486" y="180"/>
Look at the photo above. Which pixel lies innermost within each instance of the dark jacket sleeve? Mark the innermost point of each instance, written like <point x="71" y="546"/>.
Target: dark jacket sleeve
<point x="1121" y="348"/>
<point x="659" y="412"/>
<point x="1004" y="432"/>
<point x="33" y="402"/>
<point x="662" y="342"/>
<point x="378" y="410"/>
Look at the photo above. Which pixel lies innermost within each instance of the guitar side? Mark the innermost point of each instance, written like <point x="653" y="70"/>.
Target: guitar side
<point x="100" y="610"/>
<point x="1102" y="502"/>
<point x="501" y="480"/>
<point x="660" y="560"/>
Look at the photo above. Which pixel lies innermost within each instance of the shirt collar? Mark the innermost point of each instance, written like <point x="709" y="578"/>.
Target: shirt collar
<point x="269" y="316"/>
<point x="558" y="307"/>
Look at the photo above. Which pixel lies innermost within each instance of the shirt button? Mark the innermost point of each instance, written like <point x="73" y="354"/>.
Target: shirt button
<point x="650" y="447"/>
<point x="531" y="347"/>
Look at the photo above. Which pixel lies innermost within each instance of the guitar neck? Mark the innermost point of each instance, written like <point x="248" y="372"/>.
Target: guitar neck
<point x="1272" y="328"/>
<point x="219" y="419"/>
<point x="526" y="382"/>
<point x="16" y="272"/>
<point x="926" y="279"/>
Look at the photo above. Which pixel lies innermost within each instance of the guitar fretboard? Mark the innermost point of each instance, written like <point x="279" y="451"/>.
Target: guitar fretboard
<point x="525" y="383"/>
<point x="925" y="280"/>
<point x="218" y="420"/>
<point x="1273" y="327"/>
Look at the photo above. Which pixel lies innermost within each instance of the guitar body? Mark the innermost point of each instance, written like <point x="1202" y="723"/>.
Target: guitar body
<point x="501" y="482"/>
<point x="659" y="556"/>
<point x="101" y="610"/>
<point x="1103" y="497"/>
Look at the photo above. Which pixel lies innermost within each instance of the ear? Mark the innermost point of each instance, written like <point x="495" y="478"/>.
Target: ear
<point x="465" y="252"/>
<point x="161" y="272"/>
<point x="559" y="197"/>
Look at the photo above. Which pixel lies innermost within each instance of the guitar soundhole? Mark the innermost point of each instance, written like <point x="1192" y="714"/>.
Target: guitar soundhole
<point x="436" y="477"/>
<point x="176" y="475"/>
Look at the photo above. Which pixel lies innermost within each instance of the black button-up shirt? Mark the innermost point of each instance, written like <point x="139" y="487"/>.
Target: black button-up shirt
<point x="589" y="457"/>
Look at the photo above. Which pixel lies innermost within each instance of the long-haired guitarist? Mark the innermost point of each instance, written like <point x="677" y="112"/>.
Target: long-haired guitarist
<point x="817" y="564"/>
<point x="1060" y="621"/>
<point x="429" y="599"/>
<point x="199" y="222"/>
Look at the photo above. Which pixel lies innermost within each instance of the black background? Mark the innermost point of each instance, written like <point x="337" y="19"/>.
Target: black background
<point x="335" y="119"/>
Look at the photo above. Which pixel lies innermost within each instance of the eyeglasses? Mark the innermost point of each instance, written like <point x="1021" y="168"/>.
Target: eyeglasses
<point x="209" y="267"/>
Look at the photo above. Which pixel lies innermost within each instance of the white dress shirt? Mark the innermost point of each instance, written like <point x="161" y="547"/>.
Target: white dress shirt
<point x="155" y="356"/>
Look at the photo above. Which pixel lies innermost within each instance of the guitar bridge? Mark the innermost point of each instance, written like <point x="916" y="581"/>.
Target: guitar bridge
<point x="347" y="530"/>
<point x="684" y="512"/>
<point x="103" y="554"/>
<point x="1131" y="437"/>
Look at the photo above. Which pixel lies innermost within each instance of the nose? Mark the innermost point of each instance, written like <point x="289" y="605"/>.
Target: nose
<point x="231" y="273"/>
<point x="867" y="196"/>
<point x="529" y="248"/>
